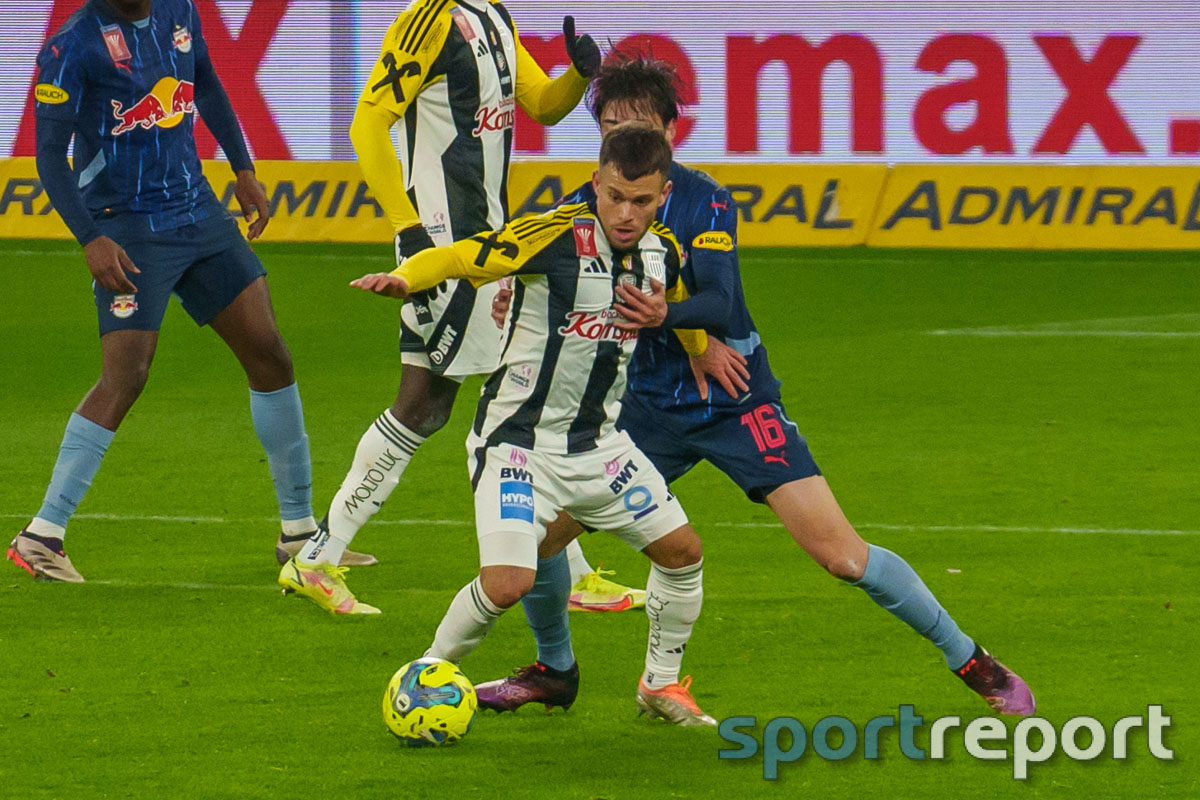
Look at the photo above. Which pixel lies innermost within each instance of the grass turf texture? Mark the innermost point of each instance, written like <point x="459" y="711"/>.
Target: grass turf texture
<point x="179" y="670"/>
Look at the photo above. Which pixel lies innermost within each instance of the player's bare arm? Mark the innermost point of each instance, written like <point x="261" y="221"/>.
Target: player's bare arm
<point x="382" y="283"/>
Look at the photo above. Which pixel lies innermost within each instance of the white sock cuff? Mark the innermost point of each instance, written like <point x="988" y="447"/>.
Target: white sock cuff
<point x="680" y="576"/>
<point x="397" y="433"/>
<point x="483" y="604"/>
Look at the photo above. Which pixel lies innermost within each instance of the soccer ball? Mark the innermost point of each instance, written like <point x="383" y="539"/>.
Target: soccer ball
<point x="429" y="702"/>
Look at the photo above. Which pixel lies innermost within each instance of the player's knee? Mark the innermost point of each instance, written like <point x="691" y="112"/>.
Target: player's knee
<point x="677" y="550"/>
<point x="126" y="381"/>
<point x="843" y="567"/>
<point x="507" y="588"/>
<point x="275" y="363"/>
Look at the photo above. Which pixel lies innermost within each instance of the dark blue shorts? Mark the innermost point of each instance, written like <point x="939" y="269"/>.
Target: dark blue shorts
<point x="206" y="264"/>
<point x="757" y="446"/>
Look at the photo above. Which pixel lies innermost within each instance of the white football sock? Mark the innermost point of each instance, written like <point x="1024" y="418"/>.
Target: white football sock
<point x="579" y="563"/>
<point x="470" y="616"/>
<point x="673" y="600"/>
<point x="382" y="455"/>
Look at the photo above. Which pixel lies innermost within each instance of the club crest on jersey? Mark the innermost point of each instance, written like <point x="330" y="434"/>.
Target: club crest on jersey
<point x="654" y="265"/>
<point x="585" y="238"/>
<point x="495" y="118"/>
<point x="183" y="39"/>
<point x="114" y="40"/>
<point x="123" y="306"/>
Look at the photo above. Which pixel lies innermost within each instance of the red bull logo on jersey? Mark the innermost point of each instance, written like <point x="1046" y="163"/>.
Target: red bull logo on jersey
<point x="183" y="39"/>
<point x="495" y="118"/>
<point x="596" y="327"/>
<point x="165" y="106"/>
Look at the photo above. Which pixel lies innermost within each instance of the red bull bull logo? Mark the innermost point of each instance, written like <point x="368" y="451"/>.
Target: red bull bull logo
<point x="123" y="306"/>
<point x="165" y="106"/>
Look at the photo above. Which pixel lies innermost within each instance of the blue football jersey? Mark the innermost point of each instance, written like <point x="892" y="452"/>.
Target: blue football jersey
<point x="701" y="214"/>
<point x="129" y="91"/>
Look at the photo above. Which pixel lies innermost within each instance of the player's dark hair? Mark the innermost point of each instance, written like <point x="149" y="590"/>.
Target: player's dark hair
<point x="647" y="84"/>
<point x="636" y="150"/>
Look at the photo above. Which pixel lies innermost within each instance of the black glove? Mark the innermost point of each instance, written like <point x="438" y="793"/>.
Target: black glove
<point x="583" y="50"/>
<point x="411" y="241"/>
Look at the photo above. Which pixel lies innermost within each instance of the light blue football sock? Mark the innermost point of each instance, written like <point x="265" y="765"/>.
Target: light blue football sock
<point x="79" y="455"/>
<point x="279" y="422"/>
<point x="546" y="609"/>
<point x="893" y="584"/>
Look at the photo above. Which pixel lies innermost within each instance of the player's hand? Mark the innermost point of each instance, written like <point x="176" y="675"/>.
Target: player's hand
<point x="582" y="50"/>
<point x="502" y="302"/>
<point x="411" y="241"/>
<point x="724" y="364"/>
<point x="638" y="309"/>
<point x="252" y="197"/>
<point x="384" y="283"/>
<point x="108" y="263"/>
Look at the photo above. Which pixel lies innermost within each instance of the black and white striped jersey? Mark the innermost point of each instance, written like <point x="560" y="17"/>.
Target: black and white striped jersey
<point x="562" y="372"/>
<point x="453" y="72"/>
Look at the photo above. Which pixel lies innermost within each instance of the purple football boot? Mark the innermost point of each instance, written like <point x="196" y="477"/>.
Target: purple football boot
<point x="1002" y="688"/>
<point x="535" y="683"/>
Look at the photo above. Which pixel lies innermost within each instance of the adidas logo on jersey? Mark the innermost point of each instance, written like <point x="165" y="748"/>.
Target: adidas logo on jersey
<point x="595" y="268"/>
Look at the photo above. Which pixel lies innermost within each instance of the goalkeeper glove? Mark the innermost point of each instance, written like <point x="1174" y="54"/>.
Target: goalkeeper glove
<point x="583" y="50"/>
<point x="411" y="241"/>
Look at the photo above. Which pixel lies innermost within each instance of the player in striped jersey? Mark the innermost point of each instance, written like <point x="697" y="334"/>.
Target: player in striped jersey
<point x="744" y="431"/>
<point x="449" y="78"/>
<point x="545" y="436"/>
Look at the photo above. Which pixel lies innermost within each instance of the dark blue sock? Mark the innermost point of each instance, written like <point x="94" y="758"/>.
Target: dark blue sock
<point x="893" y="584"/>
<point x="546" y="609"/>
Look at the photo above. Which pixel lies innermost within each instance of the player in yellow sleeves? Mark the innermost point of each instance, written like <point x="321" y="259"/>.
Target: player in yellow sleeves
<point x="449" y="79"/>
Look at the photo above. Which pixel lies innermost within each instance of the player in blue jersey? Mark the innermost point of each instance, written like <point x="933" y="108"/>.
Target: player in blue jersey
<point x="743" y="431"/>
<point x="123" y="77"/>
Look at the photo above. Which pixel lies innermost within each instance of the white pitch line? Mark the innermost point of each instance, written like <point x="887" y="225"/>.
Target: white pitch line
<point x="982" y="332"/>
<point x="465" y="523"/>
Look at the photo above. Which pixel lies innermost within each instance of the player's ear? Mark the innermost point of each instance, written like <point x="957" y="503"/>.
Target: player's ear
<point x="666" y="192"/>
<point x="669" y="132"/>
<point x="596" y="181"/>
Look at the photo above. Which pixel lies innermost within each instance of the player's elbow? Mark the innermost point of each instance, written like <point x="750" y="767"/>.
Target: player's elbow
<point x="368" y="125"/>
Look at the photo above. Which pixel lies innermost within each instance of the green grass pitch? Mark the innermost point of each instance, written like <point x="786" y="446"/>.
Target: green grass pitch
<point x="1022" y="427"/>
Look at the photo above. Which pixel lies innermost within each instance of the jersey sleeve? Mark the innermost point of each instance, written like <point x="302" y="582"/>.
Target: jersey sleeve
<point x="694" y="341"/>
<point x="409" y="51"/>
<point x="62" y="78"/>
<point x="547" y="101"/>
<point x="487" y="256"/>
<point x="714" y="269"/>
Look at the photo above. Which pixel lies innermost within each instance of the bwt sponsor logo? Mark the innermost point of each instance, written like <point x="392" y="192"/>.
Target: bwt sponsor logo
<point x="785" y="739"/>
<point x="596" y="327"/>
<point x="622" y="475"/>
